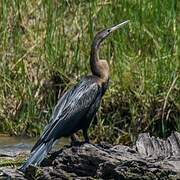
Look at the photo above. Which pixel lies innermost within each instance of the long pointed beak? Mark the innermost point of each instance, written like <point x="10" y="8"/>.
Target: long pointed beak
<point x="118" y="26"/>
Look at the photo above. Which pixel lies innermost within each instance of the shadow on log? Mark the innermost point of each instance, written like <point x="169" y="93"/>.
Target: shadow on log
<point x="150" y="158"/>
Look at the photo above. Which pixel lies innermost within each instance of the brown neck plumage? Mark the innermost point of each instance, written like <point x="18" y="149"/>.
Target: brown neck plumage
<point x="99" y="68"/>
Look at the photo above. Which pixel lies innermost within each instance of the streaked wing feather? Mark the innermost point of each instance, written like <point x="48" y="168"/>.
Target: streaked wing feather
<point x="74" y="103"/>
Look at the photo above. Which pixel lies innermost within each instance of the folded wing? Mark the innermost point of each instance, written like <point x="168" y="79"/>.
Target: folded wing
<point x="70" y="110"/>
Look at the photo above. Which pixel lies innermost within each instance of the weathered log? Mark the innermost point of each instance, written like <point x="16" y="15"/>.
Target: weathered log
<point x="150" y="158"/>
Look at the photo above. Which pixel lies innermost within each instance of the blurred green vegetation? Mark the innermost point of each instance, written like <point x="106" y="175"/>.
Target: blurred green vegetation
<point x="45" y="45"/>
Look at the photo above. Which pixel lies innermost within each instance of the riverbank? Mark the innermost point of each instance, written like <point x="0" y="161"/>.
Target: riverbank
<point x="150" y="158"/>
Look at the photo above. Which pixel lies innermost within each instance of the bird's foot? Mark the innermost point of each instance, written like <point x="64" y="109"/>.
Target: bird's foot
<point x="78" y="143"/>
<point x="87" y="142"/>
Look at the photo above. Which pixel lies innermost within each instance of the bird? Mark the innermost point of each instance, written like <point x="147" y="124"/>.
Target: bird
<point x="76" y="109"/>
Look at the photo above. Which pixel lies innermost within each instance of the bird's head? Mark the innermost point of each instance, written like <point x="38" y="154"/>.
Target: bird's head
<point x="100" y="36"/>
<point x="100" y="67"/>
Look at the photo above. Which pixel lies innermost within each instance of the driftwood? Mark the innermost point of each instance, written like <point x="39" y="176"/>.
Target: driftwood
<point x="150" y="158"/>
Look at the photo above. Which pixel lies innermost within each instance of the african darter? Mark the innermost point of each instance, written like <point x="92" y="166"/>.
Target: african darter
<point x="77" y="107"/>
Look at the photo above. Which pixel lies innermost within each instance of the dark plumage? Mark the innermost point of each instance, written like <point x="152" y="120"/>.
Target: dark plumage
<point x="77" y="107"/>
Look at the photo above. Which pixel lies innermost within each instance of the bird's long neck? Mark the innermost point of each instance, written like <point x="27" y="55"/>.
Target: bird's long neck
<point x="94" y="58"/>
<point x="99" y="68"/>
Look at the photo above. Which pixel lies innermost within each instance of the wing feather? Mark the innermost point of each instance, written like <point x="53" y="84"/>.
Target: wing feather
<point x="71" y="107"/>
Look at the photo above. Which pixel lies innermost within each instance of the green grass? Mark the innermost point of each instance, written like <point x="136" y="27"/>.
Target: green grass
<point x="13" y="162"/>
<point x="42" y="38"/>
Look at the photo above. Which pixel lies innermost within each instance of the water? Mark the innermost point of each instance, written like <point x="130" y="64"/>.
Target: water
<point x="8" y="140"/>
<point x="13" y="146"/>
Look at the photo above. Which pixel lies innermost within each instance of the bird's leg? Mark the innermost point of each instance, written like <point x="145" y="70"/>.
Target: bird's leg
<point x="74" y="140"/>
<point x="85" y="134"/>
<point x="95" y="120"/>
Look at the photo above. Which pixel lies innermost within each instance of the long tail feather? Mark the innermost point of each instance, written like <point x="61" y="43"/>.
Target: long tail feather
<point x="37" y="155"/>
